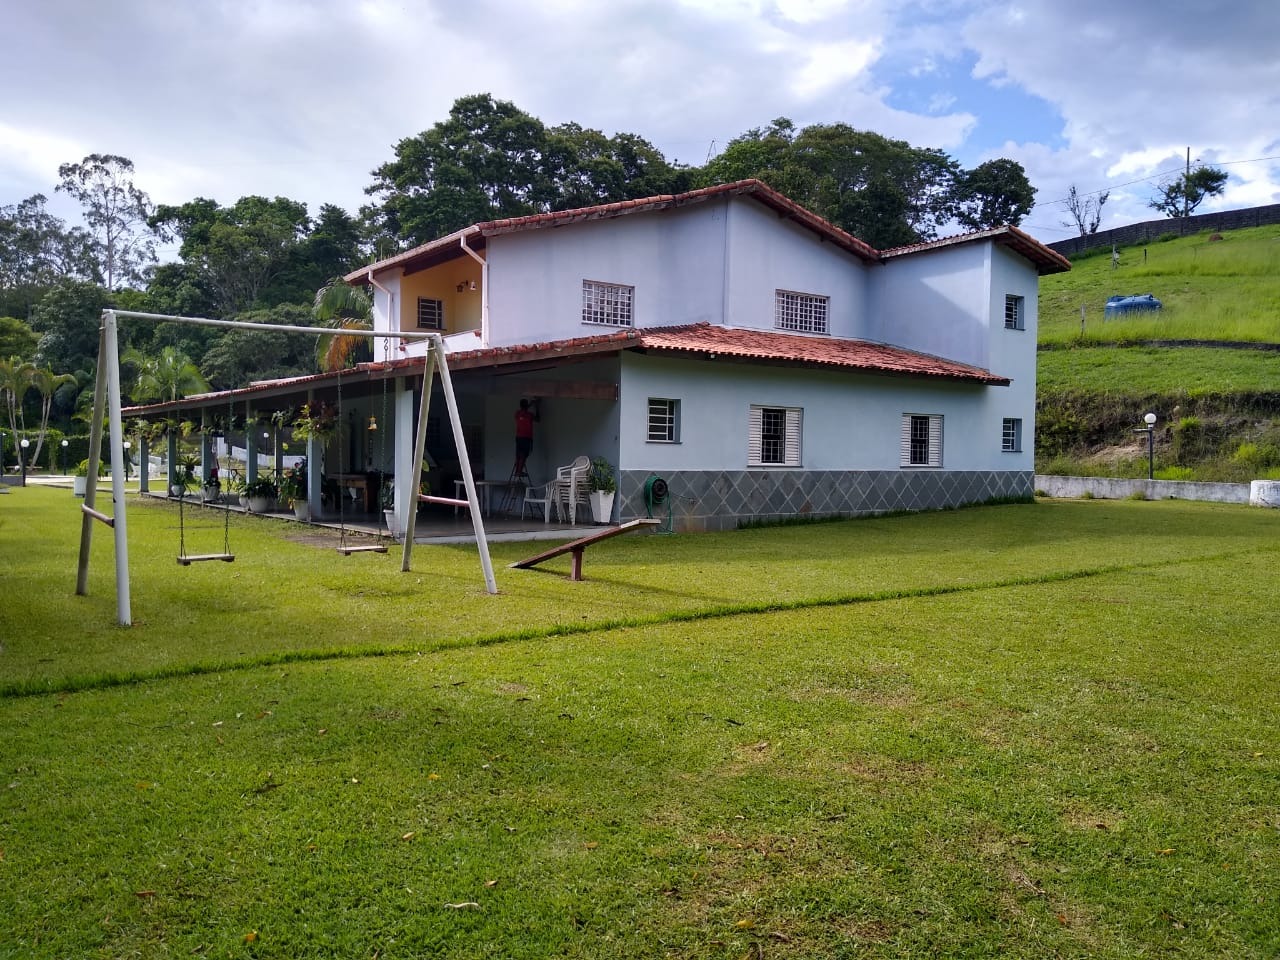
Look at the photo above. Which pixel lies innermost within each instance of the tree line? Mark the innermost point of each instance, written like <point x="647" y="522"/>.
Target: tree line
<point x="264" y="259"/>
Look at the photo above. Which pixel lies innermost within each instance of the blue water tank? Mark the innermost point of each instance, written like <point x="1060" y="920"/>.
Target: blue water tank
<point x="1119" y="306"/>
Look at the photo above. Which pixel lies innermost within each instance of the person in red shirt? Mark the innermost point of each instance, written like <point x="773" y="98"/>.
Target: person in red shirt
<point x="526" y="417"/>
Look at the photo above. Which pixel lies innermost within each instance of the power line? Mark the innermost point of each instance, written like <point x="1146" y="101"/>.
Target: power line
<point x="1163" y="173"/>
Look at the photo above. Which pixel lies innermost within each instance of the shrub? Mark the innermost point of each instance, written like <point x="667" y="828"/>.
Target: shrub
<point x="1175" y="473"/>
<point x="1188" y="440"/>
<point x="1256" y="456"/>
<point x="1137" y="495"/>
<point x="1087" y="495"/>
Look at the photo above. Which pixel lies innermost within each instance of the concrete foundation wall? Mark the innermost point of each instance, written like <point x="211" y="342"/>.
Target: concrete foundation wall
<point x="722" y="499"/>
<point x="1110" y="488"/>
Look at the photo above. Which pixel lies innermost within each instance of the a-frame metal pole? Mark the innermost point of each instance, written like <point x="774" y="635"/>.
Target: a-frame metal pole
<point x="107" y="391"/>
<point x="407" y="503"/>
<point x="95" y="457"/>
<point x="121" y="527"/>
<point x="477" y="520"/>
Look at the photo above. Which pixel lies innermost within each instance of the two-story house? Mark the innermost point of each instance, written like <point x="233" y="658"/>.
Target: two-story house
<point x="762" y="361"/>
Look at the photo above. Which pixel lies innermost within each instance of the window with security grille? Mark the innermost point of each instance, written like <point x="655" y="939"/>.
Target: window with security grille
<point x="802" y="312"/>
<point x="1013" y="312"/>
<point x="774" y="437"/>
<point x="921" y="440"/>
<point x="430" y="314"/>
<point x="1011" y="435"/>
<point x="607" y="303"/>
<point x="664" y="420"/>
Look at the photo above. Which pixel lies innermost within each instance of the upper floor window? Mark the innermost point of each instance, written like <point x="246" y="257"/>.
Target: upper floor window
<point x="802" y="312"/>
<point x="921" y="440"/>
<point x="607" y="303"/>
<point x="664" y="420"/>
<point x="1014" y="312"/>
<point x="773" y="438"/>
<point x="430" y="314"/>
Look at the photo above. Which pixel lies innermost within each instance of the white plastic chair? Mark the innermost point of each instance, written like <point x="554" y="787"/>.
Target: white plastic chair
<point x="544" y="494"/>
<point x="572" y="488"/>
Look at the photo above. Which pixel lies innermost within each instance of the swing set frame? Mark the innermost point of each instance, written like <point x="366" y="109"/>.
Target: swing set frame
<point x="106" y="405"/>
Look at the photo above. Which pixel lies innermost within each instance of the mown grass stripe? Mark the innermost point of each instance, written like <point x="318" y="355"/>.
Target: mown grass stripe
<point x="103" y="681"/>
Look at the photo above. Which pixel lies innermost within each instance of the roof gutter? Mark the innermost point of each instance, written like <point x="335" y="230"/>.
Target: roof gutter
<point x="484" y="288"/>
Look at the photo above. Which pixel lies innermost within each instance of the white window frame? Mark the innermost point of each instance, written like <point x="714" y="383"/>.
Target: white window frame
<point x="800" y="312"/>
<point x="608" y="304"/>
<point x="1011" y="435"/>
<point x="792" y="422"/>
<point x="664" y="415"/>
<point x="918" y="428"/>
<point x="425" y="310"/>
<point x="1015" y="312"/>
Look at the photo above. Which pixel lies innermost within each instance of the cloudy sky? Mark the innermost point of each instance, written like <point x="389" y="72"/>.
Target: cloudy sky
<point x="303" y="98"/>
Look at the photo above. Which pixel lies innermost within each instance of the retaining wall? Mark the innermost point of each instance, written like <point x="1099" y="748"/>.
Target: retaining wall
<point x="1149" y="230"/>
<point x="1111" y="488"/>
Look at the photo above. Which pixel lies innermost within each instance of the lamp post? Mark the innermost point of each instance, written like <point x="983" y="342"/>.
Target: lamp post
<point x="65" y="444"/>
<point x="127" y="464"/>
<point x="22" y="458"/>
<point x="1150" y="431"/>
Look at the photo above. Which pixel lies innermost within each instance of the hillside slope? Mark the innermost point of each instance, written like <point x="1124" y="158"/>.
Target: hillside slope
<point x="1224" y="289"/>
<point x="1218" y="407"/>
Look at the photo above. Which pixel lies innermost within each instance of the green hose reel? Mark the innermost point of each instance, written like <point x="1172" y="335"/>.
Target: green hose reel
<point x="657" y="498"/>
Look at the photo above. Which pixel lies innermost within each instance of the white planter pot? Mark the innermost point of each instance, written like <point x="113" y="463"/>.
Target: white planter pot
<point x="177" y="490"/>
<point x="601" y="505"/>
<point x="78" y="485"/>
<point x="393" y="527"/>
<point x="260" y="504"/>
<point x="302" y="509"/>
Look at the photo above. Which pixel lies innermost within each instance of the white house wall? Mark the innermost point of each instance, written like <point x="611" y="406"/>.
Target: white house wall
<point x="851" y="421"/>
<point x="674" y="259"/>
<point x="768" y="253"/>
<point x="850" y="443"/>
<point x="932" y="302"/>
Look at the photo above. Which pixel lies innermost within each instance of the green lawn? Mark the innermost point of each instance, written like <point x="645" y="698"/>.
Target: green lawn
<point x="1155" y="372"/>
<point x="1029" y="731"/>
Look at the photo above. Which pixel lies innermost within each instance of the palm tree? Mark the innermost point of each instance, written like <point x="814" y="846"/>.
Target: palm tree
<point x="169" y="376"/>
<point x="46" y="382"/>
<point x="15" y="381"/>
<point x="343" y="307"/>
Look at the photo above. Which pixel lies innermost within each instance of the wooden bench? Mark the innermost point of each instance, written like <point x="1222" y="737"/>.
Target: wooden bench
<point x="576" y="547"/>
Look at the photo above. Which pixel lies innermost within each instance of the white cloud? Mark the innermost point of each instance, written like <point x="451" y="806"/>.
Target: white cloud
<point x="303" y="98"/>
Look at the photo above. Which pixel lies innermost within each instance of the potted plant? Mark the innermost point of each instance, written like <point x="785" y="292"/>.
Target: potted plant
<point x="293" y="489"/>
<point x="211" y="489"/>
<point x="184" y="475"/>
<point x="387" y="499"/>
<point x="603" y="485"/>
<point x="80" y="478"/>
<point x="260" y="494"/>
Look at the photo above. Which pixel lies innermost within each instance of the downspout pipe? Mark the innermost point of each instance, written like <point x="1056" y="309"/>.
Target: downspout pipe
<point x="391" y="301"/>
<point x="484" y="289"/>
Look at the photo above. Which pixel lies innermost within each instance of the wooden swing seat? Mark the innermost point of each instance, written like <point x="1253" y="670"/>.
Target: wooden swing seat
<point x="370" y="548"/>
<point x="200" y="557"/>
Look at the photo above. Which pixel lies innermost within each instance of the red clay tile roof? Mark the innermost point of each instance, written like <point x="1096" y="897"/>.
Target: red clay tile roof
<point x="759" y="345"/>
<point x="705" y="339"/>
<point x="791" y="348"/>
<point x="603" y="211"/>
<point x="1045" y="259"/>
